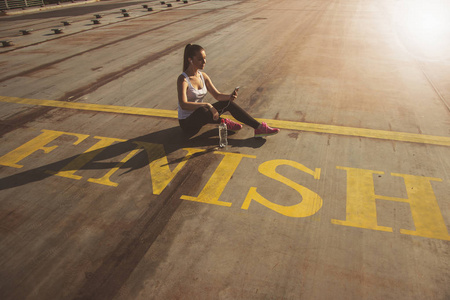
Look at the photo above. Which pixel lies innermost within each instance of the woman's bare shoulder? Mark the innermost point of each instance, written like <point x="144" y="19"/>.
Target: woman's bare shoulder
<point x="206" y="76"/>
<point x="181" y="79"/>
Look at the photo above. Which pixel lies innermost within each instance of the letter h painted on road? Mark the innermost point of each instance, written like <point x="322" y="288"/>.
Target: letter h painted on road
<point x="361" y="204"/>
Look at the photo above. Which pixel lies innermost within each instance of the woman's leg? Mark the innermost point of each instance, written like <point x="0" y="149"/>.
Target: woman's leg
<point x="202" y="116"/>
<point x="237" y="112"/>
<point x="199" y="118"/>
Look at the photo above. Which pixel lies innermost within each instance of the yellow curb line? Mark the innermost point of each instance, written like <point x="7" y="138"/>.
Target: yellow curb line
<point x="302" y="126"/>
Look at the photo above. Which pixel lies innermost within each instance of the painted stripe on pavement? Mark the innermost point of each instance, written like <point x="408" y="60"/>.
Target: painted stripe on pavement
<point x="291" y="125"/>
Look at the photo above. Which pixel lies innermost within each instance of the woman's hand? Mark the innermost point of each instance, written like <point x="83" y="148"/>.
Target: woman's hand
<point x="234" y="95"/>
<point x="214" y="112"/>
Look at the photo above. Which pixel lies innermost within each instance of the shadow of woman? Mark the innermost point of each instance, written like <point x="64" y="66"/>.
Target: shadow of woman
<point x="160" y="144"/>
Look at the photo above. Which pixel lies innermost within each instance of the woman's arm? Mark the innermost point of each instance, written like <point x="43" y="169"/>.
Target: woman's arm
<point x="182" y="87"/>
<point x="215" y="93"/>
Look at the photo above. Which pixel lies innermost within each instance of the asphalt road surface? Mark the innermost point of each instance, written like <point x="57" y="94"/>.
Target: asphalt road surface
<point x="103" y="197"/>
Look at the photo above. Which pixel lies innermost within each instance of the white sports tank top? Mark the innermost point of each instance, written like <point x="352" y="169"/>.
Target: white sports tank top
<point x="193" y="95"/>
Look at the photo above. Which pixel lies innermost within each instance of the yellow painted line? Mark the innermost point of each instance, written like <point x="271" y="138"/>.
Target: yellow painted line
<point x="291" y="125"/>
<point x="362" y="132"/>
<point x="95" y="107"/>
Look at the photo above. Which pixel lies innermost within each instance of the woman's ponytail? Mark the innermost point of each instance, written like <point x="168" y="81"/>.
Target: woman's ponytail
<point x="189" y="52"/>
<point x="186" y="56"/>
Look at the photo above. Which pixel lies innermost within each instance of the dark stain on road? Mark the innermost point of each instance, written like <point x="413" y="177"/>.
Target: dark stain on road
<point x="19" y="120"/>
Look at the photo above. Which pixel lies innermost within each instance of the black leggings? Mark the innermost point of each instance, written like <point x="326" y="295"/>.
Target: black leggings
<point x="202" y="116"/>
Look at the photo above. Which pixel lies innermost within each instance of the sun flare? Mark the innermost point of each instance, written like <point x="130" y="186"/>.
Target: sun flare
<point x="424" y="27"/>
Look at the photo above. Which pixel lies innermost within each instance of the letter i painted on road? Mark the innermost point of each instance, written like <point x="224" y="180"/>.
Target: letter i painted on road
<point x="218" y="181"/>
<point x="80" y="161"/>
<point x="361" y="204"/>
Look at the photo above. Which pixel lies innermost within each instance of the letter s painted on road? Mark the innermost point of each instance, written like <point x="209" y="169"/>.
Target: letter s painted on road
<point x="309" y="205"/>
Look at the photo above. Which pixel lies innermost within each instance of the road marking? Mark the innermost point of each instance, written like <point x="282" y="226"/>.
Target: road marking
<point x="291" y="125"/>
<point x="361" y="204"/>
<point x="310" y="202"/>
<point x="95" y="107"/>
<point x="219" y="179"/>
<point x="361" y="208"/>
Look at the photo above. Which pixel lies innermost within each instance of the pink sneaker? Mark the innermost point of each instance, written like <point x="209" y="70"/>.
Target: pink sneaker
<point x="265" y="130"/>
<point x="232" y="126"/>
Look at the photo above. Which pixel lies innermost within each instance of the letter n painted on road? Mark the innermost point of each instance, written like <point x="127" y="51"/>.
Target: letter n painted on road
<point x="12" y="158"/>
<point x="308" y="206"/>
<point x="218" y="181"/>
<point x="361" y="204"/>
<point x="159" y="165"/>
<point x="106" y="179"/>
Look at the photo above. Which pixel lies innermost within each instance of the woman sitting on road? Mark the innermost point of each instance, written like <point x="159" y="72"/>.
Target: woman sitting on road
<point x="193" y="86"/>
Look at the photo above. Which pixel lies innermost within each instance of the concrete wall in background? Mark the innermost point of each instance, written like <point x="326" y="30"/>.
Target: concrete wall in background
<point x="11" y="4"/>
